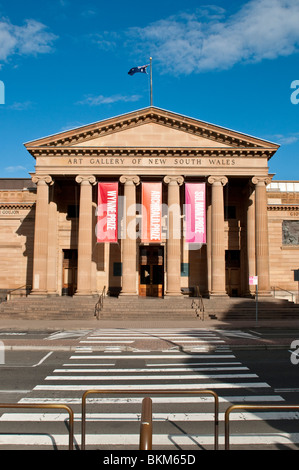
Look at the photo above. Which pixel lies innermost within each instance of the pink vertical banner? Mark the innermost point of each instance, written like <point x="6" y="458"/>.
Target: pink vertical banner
<point x="195" y="209"/>
<point x="151" y="212"/>
<point x="107" y="212"/>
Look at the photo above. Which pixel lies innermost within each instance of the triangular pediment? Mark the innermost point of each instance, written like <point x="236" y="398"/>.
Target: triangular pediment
<point x="151" y="128"/>
<point x="151" y="135"/>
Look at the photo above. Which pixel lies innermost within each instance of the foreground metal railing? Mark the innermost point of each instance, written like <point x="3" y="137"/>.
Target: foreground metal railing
<point x="146" y="425"/>
<point x="149" y="392"/>
<point x="251" y="408"/>
<point x="145" y="442"/>
<point x="276" y="288"/>
<point x="48" y="406"/>
<point x="100" y="303"/>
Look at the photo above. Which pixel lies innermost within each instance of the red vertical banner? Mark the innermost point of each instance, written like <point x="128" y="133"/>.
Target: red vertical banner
<point x="151" y="212"/>
<point x="195" y="210"/>
<point x="107" y="212"/>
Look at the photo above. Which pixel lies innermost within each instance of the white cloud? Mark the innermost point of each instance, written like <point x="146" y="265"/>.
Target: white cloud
<point x="107" y="40"/>
<point x="20" y="106"/>
<point x="207" y="39"/>
<point x="12" y="169"/>
<point x="92" y="100"/>
<point x="88" y="13"/>
<point x="30" y="39"/>
<point x="287" y="139"/>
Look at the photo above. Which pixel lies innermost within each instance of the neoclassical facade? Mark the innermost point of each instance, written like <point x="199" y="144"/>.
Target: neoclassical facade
<point x="53" y="235"/>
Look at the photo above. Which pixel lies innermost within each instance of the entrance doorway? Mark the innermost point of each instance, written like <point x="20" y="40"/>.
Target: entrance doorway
<point x="232" y="272"/>
<point x="69" y="272"/>
<point x="151" y="271"/>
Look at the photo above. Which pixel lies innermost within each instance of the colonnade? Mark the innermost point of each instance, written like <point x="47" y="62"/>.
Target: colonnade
<point x="45" y="239"/>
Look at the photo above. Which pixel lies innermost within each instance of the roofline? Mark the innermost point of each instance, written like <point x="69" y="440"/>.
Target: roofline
<point x="27" y="144"/>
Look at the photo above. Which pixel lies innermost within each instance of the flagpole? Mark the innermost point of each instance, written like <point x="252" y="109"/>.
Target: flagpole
<point x="151" y="79"/>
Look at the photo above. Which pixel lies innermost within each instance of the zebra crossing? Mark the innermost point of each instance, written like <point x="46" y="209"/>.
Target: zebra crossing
<point x="175" y="338"/>
<point x="196" y="359"/>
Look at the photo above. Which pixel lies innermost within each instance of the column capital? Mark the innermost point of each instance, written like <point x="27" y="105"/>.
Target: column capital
<point x="85" y="179"/>
<point x="265" y="180"/>
<point x="42" y="179"/>
<point x="218" y="179"/>
<point x="130" y="179"/>
<point x="173" y="179"/>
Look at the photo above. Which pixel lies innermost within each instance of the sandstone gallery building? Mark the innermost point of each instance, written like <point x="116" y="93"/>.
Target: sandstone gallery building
<point x="150" y="203"/>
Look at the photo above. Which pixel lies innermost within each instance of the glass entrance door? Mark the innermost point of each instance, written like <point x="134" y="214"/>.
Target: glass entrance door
<point x="151" y="271"/>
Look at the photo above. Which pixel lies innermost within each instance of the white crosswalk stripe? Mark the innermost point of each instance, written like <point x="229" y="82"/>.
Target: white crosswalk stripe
<point x="177" y="417"/>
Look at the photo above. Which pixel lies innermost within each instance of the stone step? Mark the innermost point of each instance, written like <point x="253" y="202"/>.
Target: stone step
<point x="147" y="308"/>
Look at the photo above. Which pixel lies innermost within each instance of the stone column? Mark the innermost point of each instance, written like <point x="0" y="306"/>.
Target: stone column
<point x="52" y="245"/>
<point x="129" y="250"/>
<point x="261" y="234"/>
<point x="251" y="236"/>
<point x="217" y="236"/>
<point x="40" y="253"/>
<point x="173" y="252"/>
<point x="84" y="284"/>
<point x="209" y="236"/>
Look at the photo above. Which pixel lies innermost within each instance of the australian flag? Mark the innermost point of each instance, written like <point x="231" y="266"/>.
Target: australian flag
<point x="140" y="69"/>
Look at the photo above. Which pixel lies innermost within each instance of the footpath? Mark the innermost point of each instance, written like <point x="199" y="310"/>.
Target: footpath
<point x="26" y="334"/>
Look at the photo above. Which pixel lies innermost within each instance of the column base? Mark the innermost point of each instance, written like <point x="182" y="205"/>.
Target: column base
<point x="173" y="294"/>
<point x="39" y="293"/>
<point x="264" y="293"/>
<point x="128" y="294"/>
<point x="219" y="294"/>
<point x="83" y="294"/>
<point x="52" y="294"/>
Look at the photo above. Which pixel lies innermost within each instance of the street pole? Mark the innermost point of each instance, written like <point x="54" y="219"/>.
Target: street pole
<point x="256" y="302"/>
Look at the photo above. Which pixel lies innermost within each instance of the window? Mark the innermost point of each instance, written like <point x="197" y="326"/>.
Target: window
<point x="184" y="269"/>
<point x="117" y="269"/>
<point x="70" y="254"/>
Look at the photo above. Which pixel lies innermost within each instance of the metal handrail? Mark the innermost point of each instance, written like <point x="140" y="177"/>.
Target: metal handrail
<point x="146" y="425"/>
<point x="251" y="407"/>
<point x="150" y="392"/>
<point x="48" y="406"/>
<point x="100" y="303"/>
<point x="199" y="304"/>
<point x="284" y="290"/>
<point x="17" y="288"/>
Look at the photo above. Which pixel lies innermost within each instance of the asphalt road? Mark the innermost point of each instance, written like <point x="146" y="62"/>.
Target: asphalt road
<point x="244" y="373"/>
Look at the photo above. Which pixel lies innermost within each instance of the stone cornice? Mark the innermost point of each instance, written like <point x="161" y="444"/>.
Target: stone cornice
<point x="283" y="207"/>
<point x="151" y="115"/>
<point x="16" y="205"/>
<point x="152" y="152"/>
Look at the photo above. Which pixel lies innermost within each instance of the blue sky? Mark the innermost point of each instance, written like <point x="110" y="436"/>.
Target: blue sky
<point x="64" y="63"/>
